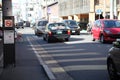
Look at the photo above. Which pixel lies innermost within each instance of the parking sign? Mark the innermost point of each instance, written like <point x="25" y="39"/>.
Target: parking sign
<point x="98" y="11"/>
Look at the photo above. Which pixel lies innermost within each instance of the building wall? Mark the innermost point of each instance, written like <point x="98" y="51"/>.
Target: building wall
<point x="85" y="7"/>
<point x="53" y="15"/>
<point x="74" y="9"/>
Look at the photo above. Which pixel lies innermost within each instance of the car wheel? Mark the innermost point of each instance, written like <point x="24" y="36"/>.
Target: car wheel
<point x="93" y="39"/>
<point x="44" y="38"/>
<point x="112" y="70"/>
<point x="78" y="33"/>
<point x="48" y="40"/>
<point x="35" y="33"/>
<point x="102" y="40"/>
<point x="66" y="39"/>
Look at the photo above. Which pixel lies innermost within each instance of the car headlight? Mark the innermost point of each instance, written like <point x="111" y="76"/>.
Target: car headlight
<point x="107" y="31"/>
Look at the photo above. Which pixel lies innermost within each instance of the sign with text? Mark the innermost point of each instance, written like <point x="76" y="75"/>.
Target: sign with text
<point x="8" y="36"/>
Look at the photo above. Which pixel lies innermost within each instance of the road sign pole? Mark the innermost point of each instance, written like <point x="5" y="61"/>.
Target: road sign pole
<point x="8" y="34"/>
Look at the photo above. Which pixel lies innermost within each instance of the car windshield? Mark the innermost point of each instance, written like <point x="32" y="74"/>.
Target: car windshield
<point x="112" y="24"/>
<point x="57" y="26"/>
<point x="71" y="23"/>
<point x="42" y="23"/>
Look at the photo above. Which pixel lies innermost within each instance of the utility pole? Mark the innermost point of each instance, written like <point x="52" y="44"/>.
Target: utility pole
<point x="8" y="34"/>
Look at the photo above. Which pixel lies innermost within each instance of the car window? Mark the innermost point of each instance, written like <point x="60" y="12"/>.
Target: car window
<point x="42" y="23"/>
<point x="57" y="26"/>
<point x="118" y="24"/>
<point x="71" y="23"/>
<point x="111" y="23"/>
<point x="96" y="23"/>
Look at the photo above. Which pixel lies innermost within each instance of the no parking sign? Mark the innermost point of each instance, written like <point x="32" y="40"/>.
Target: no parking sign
<point x="8" y="23"/>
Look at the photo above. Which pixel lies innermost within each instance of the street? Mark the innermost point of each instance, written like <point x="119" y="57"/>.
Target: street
<point x="79" y="59"/>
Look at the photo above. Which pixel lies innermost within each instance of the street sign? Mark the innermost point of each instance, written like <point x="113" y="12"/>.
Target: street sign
<point x="8" y="36"/>
<point x="8" y="23"/>
<point x="98" y="11"/>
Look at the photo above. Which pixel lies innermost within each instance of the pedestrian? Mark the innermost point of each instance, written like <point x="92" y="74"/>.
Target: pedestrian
<point x="89" y="27"/>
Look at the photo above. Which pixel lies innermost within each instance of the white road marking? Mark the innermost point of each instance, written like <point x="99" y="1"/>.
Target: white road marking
<point x="47" y="70"/>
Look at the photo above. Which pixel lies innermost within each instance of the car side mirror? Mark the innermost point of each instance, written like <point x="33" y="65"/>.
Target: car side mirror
<point x="116" y="44"/>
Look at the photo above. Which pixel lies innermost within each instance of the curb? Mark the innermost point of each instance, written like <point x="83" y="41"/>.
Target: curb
<point x="45" y="67"/>
<point x="1" y="64"/>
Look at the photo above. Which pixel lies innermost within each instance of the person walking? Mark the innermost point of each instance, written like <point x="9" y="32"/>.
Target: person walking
<point x="89" y="27"/>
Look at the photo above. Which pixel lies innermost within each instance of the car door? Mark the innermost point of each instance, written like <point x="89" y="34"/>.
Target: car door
<point x="96" y="29"/>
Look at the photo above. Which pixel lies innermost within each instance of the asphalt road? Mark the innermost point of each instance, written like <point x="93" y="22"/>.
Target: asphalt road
<point x="79" y="59"/>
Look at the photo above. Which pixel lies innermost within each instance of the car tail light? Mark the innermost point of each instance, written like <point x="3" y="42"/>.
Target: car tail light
<point x="69" y="32"/>
<point x="50" y="33"/>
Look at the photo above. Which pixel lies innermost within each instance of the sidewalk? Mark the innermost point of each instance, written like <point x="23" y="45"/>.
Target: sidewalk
<point x="27" y="66"/>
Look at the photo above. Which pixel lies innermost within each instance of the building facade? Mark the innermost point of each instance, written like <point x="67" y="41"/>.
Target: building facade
<point x="88" y="10"/>
<point x="50" y="10"/>
<point x="27" y="10"/>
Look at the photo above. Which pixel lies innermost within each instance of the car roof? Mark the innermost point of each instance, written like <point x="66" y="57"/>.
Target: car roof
<point x="68" y="20"/>
<point x="56" y="23"/>
<point x="107" y="19"/>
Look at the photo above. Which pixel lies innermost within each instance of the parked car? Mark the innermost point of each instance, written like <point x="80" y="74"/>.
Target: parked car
<point x="19" y="25"/>
<point x="113" y="61"/>
<point x="40" y="26"/>
<point x="106" y="30"/>
<point x="1" y="32"/>
<point x="83" y="25"/>
<point x="54" y="31"/>
<point x="72" y="24"/>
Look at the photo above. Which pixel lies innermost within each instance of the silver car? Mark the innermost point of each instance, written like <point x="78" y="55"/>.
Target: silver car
<point x="40" y="26"/>
<point x="113" y="61"/>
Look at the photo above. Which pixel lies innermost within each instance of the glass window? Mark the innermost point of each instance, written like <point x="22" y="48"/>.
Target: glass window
<point x="57" y="26"/>
<point x="71" y="23"/>
<point x="112" y="24"/>
<point x="42" y="23"/>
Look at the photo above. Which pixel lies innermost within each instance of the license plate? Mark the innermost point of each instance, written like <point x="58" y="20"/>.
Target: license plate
<point x="73" y="31"/>
<point x="59" y="32"/>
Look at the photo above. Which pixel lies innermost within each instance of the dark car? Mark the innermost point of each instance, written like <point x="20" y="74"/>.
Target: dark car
<point x="40" y="26"/>
<point x="106" y="30"/>
<point x="55" y="31"/>
<point x="19" y="25"/>
<point x="113" y="61"/>
<point x="83" y="25"/>
<point x="72" y="24"/>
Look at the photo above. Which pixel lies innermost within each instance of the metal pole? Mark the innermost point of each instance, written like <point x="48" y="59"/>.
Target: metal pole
<point x="7" y="7"/>
<point x="8" y="34"/>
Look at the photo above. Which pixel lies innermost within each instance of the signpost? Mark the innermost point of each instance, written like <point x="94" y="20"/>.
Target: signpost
<point x="99" y="12"/>
<point x="8" y="34"/>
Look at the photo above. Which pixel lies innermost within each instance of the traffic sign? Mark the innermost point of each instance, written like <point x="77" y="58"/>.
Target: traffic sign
<point x="8" y="23"/>
<point x="98" y="11"/>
